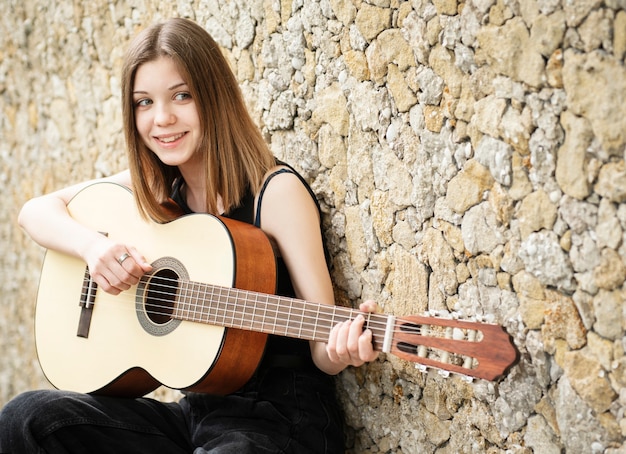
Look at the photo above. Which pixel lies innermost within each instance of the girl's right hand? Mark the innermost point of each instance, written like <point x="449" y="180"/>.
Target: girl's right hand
<point x="115" y="267"/>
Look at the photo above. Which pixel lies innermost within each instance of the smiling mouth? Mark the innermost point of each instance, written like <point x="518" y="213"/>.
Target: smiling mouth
<point x="170" y="139"/>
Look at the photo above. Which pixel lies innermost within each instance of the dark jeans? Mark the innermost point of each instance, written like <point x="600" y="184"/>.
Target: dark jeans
<point x="278" y="411"/>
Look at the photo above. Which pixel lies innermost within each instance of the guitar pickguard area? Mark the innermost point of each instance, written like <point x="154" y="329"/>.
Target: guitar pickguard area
<point x="156" y="296"/>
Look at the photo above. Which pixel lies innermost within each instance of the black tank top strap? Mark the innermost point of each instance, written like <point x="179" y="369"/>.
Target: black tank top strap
<point x="286" y="169"/>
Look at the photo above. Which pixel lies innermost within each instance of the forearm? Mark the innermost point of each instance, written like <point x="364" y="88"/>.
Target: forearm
<point x="46" y="220"/>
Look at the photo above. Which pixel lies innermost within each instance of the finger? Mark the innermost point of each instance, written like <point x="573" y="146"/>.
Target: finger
<point x="108" y="282"/>
<point x="331" y="345"/>
<point x="140" y="260"/>
<point x="133" y="266"/>
<point x="366" y="347"/>
<point x="341" y="346"/>
<point x="368" y="306"/>
<point x="354" y="334"/>
<point x="120" y="280"/>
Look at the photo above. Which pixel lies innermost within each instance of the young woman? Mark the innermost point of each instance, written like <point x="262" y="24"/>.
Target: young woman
<point x="191" y="140"/>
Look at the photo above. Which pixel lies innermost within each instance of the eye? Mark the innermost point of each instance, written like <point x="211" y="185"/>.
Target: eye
<point x="143" y="102"/>
<point x="182" y="96"/>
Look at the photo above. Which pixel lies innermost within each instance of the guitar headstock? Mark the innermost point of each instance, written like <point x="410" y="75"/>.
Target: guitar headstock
<point x="472" y="349"/>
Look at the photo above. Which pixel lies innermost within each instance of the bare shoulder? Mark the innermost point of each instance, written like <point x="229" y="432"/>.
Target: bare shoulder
<point x="286" y="195"/>
<point x="291" y="219"/>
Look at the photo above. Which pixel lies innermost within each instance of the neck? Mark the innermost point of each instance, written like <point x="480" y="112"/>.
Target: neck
<point x="194" y="192"/>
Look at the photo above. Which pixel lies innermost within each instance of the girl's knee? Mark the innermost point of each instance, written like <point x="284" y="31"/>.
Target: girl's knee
<point x="29" y="407"/>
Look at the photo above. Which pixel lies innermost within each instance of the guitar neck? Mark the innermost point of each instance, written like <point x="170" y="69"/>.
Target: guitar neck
<point x="270" y="314"/>
<point x="468" y="348"/>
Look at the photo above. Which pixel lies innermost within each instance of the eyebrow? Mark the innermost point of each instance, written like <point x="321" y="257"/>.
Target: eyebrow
<point x="173" y="87"/>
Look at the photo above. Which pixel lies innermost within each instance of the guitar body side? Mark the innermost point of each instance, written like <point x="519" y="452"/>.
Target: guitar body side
<point x="120" y="356"/>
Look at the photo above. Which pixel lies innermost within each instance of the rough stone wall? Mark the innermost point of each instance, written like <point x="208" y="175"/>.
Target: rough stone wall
<point x="469" y="156"/>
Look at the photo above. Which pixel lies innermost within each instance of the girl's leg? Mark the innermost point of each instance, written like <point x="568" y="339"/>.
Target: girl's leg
<point x="65" y="422"/>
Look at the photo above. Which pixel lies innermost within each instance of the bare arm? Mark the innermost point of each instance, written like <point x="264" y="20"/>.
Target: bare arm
<point x="47" y="221"/>
<point x="290" y="217"/>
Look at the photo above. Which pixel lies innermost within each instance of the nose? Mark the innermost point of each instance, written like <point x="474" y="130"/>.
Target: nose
<point x="164" y="115"/>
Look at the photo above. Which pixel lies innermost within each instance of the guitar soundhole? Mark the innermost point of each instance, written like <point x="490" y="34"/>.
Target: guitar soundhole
<point x="160" y="296"/>
<point x="155" y="299"/>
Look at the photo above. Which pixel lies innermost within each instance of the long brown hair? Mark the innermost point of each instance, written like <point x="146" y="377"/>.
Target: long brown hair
<point x="234" y="153"/>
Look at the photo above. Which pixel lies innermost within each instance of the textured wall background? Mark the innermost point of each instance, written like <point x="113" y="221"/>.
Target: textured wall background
<point x="469" y="156"/>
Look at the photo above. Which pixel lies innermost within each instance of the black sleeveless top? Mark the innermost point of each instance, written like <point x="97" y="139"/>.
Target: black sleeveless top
<point x="280" y="351"/>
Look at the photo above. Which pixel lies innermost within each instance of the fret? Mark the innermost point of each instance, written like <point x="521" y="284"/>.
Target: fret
<point x="288" y="319"/>
<point x="206" y="308"/>
<point x="250" y="308"/>
<point x="300" y="327"/>
<point x="183" y="301"/>
<point x="315" y="323"/>
<point x="233" y="307"/>
<point x="254" y="310"/>
<point x="193" y="307"/>
<point x="271" y="314"/>
<point x="275" y="317"/>
<point x="238" y="306"/>
<point x="251" y="322"/>
<point x="188" y="299"/>
<point x="230" y="306"/>
<point x="185" y="296"/>
<point x="296" y="318"/>
<point x="282" y="320"/>
<point x="211" y="303"/>
<point x="222" y="305"/>
<point x="177" y="305"/>
<point x="319" y="318"/>
<point x="249" y="303"/>
<point x="263" y="318"/>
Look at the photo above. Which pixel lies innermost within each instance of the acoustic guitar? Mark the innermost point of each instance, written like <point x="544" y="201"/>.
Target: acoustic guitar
<point x="199" y="321"/>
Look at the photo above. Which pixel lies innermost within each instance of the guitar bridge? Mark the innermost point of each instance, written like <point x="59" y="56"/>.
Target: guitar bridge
<point x="87" y="299"/>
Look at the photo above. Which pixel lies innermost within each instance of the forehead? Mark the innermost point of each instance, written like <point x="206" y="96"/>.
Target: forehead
<point x="161" y="73"/>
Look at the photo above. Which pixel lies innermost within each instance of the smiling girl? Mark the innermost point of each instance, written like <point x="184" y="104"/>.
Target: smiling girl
<point x="191" y="140"/>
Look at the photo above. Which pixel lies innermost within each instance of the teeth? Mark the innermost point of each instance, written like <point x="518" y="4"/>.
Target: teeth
<point x="171" y="139"/>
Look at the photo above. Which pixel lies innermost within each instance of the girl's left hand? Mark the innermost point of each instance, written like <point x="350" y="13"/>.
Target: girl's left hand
<point x="349" y="344"/>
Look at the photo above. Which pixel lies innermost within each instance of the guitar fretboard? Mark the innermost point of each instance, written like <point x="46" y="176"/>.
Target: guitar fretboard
<point x="271" y="314"/>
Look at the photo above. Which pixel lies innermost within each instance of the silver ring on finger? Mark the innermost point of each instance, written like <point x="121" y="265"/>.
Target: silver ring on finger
<point x="123" y="257"/>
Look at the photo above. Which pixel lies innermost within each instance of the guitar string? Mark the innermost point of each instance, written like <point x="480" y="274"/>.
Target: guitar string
<point x="378" y="332"/>
<point x="265" y="300"/>
<point x="283" y="314"/>
<point x="223" y="312"/>
<point x="314" y="330"/>
<point x="274" y="301"/>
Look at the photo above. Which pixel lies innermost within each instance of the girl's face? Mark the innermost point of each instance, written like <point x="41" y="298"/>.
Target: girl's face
<point x="165" y="114"/>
